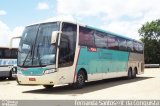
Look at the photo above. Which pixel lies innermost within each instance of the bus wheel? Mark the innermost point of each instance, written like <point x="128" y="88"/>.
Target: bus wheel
<point x="10" y="75"/>
<point x="80" y="81"/>
<point x="134" y="73"/>
<point x="48" y="86"/>
<point x="129" y="73"/>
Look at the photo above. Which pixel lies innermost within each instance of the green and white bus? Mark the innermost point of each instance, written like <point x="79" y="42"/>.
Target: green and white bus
<point x="62" y="52"/>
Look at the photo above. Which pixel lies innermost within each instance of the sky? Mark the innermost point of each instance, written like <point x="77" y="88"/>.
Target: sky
<point x="123" y="17"/>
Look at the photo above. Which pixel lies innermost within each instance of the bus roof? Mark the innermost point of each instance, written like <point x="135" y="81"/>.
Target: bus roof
<point x="91" y="27"/>
<point x="67" y="21"/>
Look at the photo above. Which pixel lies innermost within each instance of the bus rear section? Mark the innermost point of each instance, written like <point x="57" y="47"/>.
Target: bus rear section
<point x="106" y="55"/>
<point x="136" y="58"/>
<point x="136" y="63"/>
<point x="8" y="63"/>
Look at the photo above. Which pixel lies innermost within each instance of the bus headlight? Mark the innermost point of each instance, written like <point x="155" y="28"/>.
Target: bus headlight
<point x="49" y="71"/>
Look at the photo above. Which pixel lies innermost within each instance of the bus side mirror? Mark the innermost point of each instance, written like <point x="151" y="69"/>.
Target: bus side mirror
<point x="54" y="37"/>
<point x="18" y="37"/>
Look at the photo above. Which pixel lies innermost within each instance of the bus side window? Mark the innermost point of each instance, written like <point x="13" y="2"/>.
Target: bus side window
<point x="100" y="40"/>
<point x="14" y="53"/>
<point x="112" y="42"/>
<point x="130" y="45"/>
<point x="135" y="47"/>
<point x="7" y="53"/>
<point x="86" y="37"/>
<point x="122" y="44"/>
<point x="1" y="53"/>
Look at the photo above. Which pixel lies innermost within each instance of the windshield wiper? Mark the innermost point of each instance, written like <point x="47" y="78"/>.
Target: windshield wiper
<point x="27" y="55"/>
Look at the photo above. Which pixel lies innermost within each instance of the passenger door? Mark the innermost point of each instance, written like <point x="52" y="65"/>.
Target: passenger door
<point x="67" y="53"/>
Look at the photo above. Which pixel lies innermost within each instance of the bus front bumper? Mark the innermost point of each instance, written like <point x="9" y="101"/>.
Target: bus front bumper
<point x="46" y="79"/>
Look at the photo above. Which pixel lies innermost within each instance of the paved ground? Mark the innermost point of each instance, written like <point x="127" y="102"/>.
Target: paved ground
<point x="146" y="86"/>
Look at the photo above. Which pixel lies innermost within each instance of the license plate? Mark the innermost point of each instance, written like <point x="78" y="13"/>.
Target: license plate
<point x="32" y="79"/>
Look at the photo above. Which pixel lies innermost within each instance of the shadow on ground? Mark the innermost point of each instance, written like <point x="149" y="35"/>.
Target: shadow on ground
<point x="6" y="79"/>
<point x="90" y="86"/>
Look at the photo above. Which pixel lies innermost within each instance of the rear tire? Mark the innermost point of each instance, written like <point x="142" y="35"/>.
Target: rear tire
<point x="134" y="73"/>
<point x="48" y="86"/>
<point x="129" y="73"/>
<point x="80" y="80"/>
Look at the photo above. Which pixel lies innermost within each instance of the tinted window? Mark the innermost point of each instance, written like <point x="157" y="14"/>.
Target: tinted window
<point x="112" y="42"/>
<point x="129" y="45"/>
<point x="135" y="47"/>
<point x="100" y="40"/>
<point x="7" y="53"/>
<point x="1" y="53"/>
<point x="86" y="37"/>
<point x="14" y="53"/>
<point x="122" y="44"/>
<point x="67" y="44"/>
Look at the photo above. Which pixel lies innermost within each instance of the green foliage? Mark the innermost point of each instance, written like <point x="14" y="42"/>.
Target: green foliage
<point x="150" y="33"/>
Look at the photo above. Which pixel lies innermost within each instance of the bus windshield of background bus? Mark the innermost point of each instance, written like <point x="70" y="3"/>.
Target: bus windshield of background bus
<point x="35" y="47"/>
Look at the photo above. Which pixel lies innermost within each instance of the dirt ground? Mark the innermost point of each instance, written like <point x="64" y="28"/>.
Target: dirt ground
<point x="146" y="86"/>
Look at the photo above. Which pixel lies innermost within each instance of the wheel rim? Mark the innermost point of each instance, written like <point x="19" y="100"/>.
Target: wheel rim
<point x="134" y="73"/>
<point x="80" y="79"/>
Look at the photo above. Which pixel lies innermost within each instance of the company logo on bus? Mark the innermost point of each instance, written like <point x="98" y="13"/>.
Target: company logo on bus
<point x="4" y="62"/>
<point x="24" y="69"/>
<point x="92" y="49"/>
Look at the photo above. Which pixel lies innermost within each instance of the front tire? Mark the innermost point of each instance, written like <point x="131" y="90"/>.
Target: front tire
<point x="80" y="80"/>
<point x="10" y="75"/>
<point x="48" y="86"/>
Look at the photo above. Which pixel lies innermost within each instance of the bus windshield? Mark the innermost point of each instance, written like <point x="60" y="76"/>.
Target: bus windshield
<point x="35" y="49"/>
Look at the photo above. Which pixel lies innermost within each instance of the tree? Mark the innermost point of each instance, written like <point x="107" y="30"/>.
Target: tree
<point x="150" y="33"/>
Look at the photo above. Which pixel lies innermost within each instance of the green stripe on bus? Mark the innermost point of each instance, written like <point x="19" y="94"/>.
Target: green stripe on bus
<point x="33" y="71"/>
<point x="102" y="61"/>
